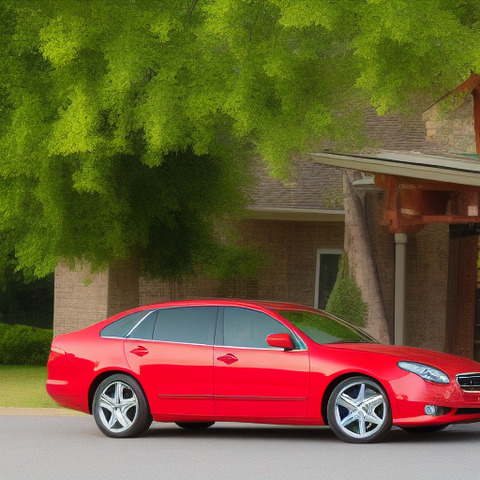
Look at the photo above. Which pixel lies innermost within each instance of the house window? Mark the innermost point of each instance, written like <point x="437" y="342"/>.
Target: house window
<point x="328" y="262"/>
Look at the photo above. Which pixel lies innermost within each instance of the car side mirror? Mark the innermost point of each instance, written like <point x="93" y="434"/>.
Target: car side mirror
<point x="280" y="340"/>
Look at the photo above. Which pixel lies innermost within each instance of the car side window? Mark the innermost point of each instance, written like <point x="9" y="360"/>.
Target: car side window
<point x="243" y="327"/>
<point x="144" y="329"/>
<point x="123" y="326"/>
<point x="186" y="325"/>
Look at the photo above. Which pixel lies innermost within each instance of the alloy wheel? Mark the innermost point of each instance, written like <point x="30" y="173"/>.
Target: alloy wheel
<point x="120" y="407"/>
<point x="359" y="411"/>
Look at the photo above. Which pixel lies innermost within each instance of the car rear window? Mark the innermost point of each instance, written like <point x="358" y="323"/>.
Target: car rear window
<point x="122" y="327"/>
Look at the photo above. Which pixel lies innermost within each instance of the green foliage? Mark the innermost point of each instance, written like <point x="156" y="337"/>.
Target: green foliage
<point x="23" y="345"/>
<point x="234" y="262"/>
<point x="126" y="125"/>
<point x="346" y="298"/>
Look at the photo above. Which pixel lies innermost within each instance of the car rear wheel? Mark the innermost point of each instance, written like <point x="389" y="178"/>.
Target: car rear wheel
<point x="358" y="411"/>
<point x="195" y="425"/>
<point x="120" y="407"/>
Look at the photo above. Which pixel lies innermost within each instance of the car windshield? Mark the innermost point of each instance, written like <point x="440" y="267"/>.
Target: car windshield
<point x="322" y="329"/>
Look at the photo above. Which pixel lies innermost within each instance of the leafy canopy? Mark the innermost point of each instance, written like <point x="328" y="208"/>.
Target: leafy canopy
<point x="125" y="125"/>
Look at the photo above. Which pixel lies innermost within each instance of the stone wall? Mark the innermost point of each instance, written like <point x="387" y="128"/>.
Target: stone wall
<point x="452" y="131"/>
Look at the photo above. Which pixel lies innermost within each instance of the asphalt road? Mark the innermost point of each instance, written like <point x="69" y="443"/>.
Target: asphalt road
<point x="71" y="448"/>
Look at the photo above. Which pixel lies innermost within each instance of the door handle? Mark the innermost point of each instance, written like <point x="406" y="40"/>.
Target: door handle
<point x="229" y="358"/>
<point x="140" y="351"/>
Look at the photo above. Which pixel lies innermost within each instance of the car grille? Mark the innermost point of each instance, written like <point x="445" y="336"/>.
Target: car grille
<point x="467" y="411"/>
<point x="469" y="382"/>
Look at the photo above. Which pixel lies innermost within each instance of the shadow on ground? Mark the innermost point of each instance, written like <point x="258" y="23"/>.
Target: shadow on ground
<point x="316" y="434"/>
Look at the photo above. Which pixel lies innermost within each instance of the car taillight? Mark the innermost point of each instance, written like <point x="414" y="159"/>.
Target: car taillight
<point x="56" y="352"/>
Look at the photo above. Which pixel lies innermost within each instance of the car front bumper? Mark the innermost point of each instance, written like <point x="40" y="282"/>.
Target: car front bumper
<point x="416" y="402"/>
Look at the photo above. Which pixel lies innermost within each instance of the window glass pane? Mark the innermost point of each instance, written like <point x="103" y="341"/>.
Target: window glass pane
<point x="249" y="328"/>
<point x="186" y="325"/>
<point x="144" y="330"/>
<point x="327" y="276"/>
<point x="124" y="325"/>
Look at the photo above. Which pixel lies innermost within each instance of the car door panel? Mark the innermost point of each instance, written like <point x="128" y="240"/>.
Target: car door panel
<point x="261" y="384"/>
<point x="178" y="378"/>
<point x="175" y="361"/>
<point x="253" y="380"/>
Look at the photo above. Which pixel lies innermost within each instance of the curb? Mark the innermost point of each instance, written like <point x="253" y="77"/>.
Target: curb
<point x="38" y="412"/>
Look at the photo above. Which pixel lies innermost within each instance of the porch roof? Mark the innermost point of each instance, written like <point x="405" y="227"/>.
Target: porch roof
<point x="459" y="169"/>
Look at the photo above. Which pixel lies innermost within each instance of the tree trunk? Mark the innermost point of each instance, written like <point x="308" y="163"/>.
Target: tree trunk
<point x="360" y="256"/>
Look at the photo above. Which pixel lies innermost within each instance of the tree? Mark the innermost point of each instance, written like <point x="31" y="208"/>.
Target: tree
<point x="126" y="125"/>
<point x="104" y="152"/>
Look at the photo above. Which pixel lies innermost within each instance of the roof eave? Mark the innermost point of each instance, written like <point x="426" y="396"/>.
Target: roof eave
<point x="295" y="214"/>
<point x="463" y="172"/>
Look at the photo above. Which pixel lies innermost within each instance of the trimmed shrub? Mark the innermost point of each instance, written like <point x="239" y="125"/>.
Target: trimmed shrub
<point x="345" y="300"/>
<point x="24" y="345"/>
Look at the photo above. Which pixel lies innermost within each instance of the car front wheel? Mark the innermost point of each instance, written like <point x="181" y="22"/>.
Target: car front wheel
<point x="120" y="407"/>
<point x="358" y="411"/>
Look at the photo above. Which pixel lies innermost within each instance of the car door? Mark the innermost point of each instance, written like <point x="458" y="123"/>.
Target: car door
<point x="172" y="353"/>
<point x="253" y="380"/>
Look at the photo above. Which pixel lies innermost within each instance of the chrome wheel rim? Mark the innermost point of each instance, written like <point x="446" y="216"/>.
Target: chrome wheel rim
<point x="117" y="406"/>
<point x="360" y="409"/>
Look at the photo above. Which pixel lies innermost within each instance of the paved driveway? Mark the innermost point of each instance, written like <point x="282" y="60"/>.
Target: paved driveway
<point x="71" y="448"/>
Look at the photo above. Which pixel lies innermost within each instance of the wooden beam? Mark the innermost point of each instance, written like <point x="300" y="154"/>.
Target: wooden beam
<point x="410" y="204"/>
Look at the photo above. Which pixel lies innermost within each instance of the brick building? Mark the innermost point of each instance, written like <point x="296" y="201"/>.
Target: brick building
<point x="303" y="227"/>
<point x="299" y="227"/>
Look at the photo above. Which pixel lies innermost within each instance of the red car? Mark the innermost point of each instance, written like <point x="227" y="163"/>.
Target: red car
<point x="198" y="362"/>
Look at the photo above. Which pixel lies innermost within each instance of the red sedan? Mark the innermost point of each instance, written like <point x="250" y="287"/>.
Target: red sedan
<point x="198" y="362"/>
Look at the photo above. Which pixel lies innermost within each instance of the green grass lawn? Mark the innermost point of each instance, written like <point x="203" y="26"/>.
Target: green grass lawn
<point x="22" y="386"/>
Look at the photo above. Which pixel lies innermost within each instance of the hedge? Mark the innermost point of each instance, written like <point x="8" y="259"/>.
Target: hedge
<point x="24" y="345"/>
<point x="346" y="298"/>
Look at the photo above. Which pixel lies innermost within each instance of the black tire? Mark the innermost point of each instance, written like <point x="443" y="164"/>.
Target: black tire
<point x="425" y="429"/>
<point x="358" y="411"/>
<point x="195" y="425"/>
<point x="120" y="407"/>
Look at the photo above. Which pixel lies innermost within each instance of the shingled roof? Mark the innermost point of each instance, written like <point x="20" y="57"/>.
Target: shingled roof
<point x="315" y="190"/>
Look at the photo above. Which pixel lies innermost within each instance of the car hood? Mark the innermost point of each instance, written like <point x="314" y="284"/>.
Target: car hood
<point x="450" y="364"/>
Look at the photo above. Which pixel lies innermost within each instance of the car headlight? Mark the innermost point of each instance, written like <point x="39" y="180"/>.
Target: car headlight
<point x="428" y="373"/>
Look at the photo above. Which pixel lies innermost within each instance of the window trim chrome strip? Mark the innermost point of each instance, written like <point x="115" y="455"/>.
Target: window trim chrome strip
<point x="137" y="324"/>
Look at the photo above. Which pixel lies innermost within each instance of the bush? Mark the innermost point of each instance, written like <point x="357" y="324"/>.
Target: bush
<point x="345" y="300"/>
<point x="24" y="345"/>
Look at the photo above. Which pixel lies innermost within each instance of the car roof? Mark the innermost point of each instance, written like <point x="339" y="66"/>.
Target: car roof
<point x="271" y="305"/>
